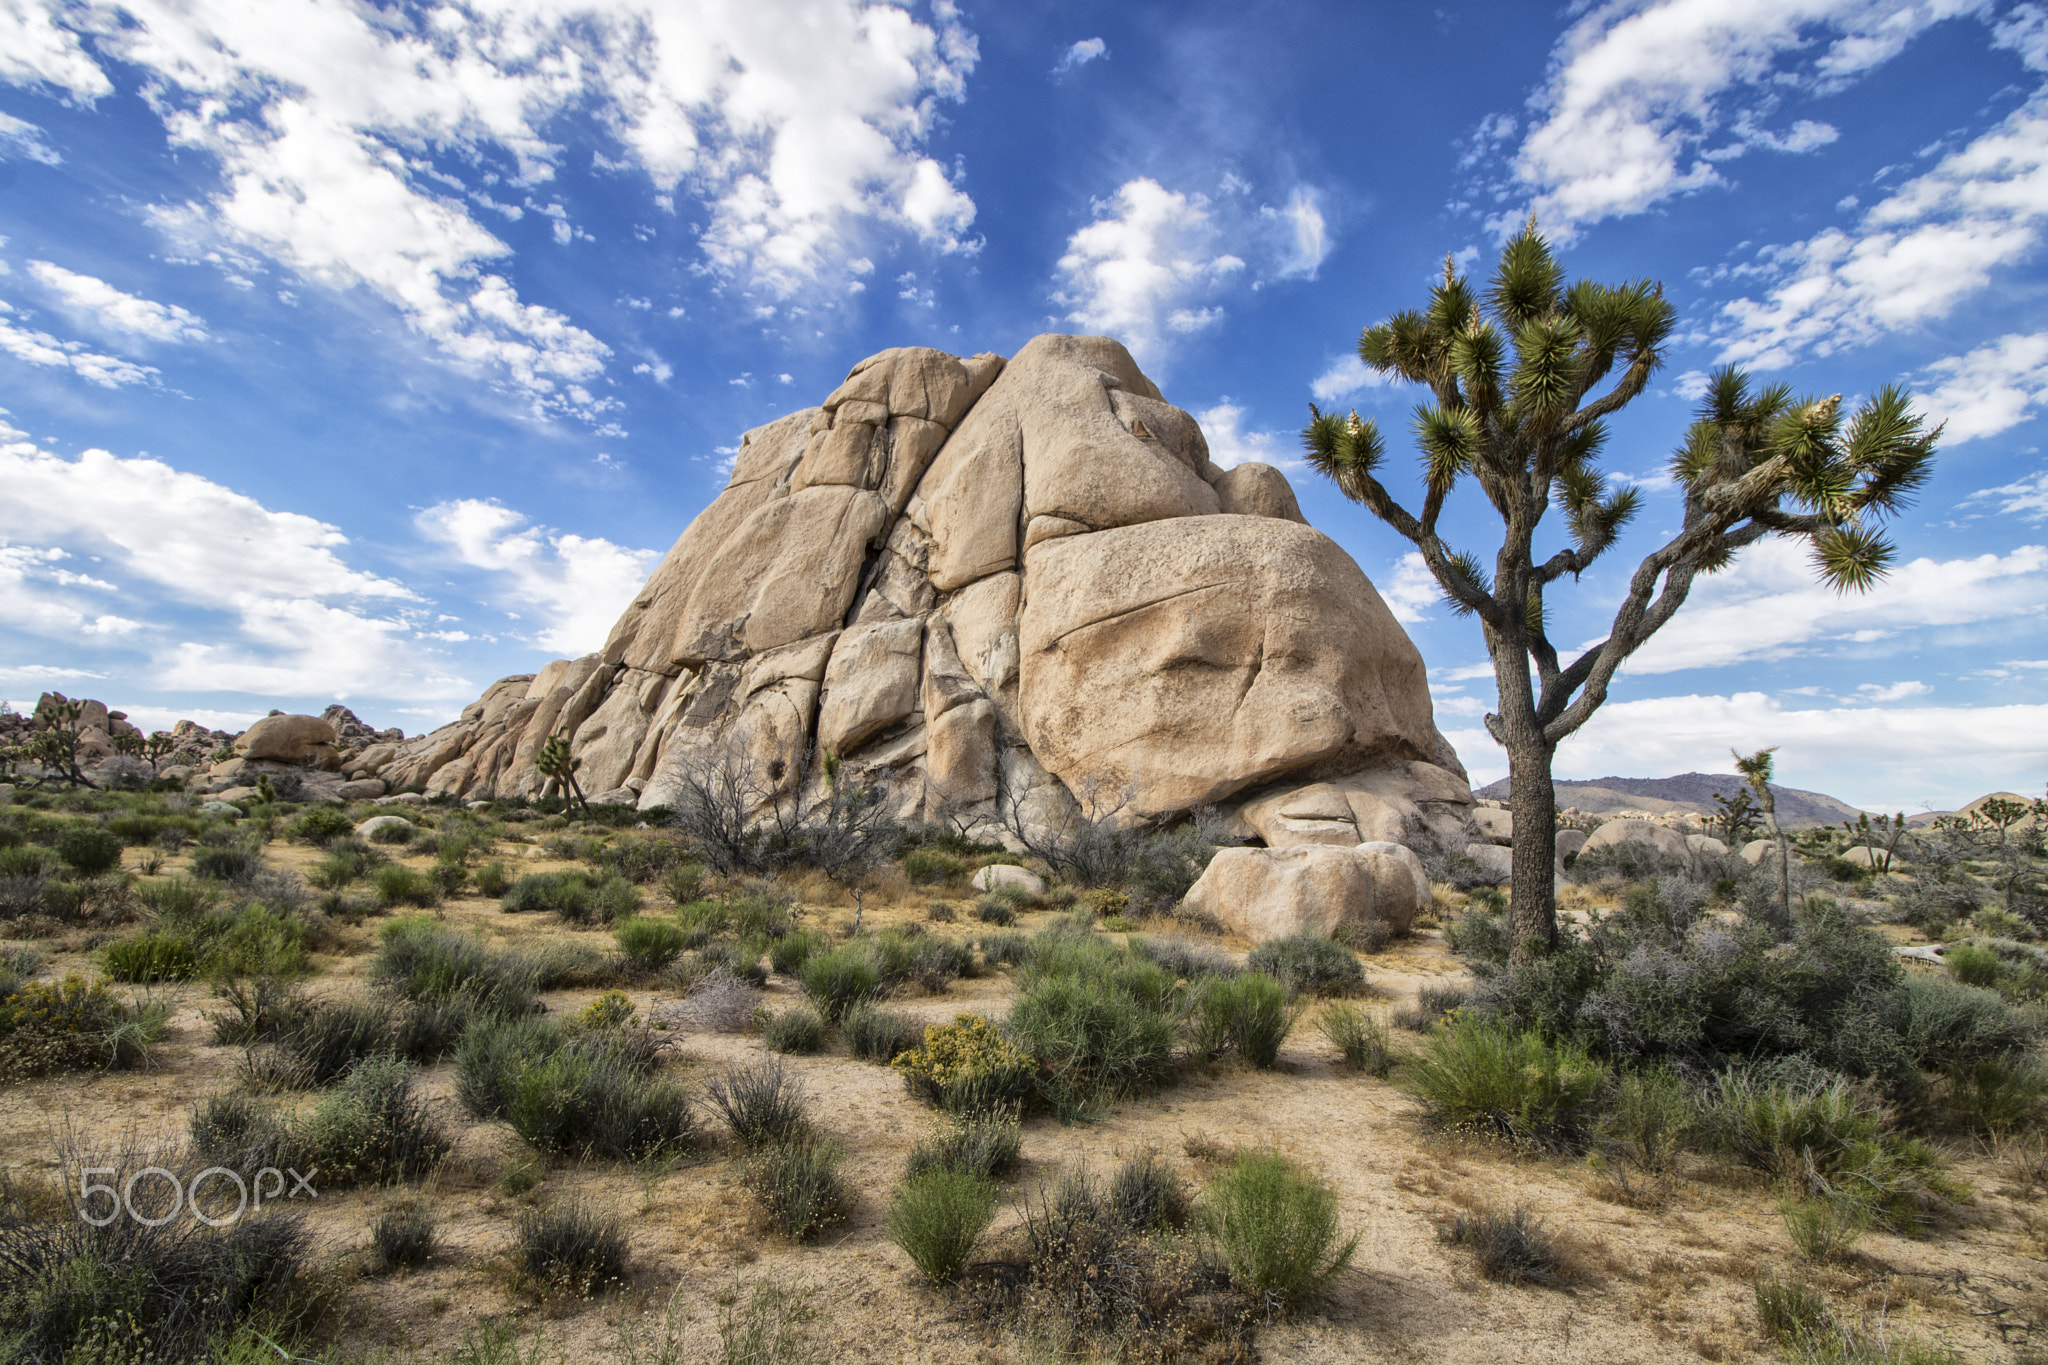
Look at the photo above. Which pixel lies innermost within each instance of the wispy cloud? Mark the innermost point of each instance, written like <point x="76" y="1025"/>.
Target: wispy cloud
<point x="1080" y="54"/>
<point x="37" y="347"/>
<point x="108" y="308"/>
<point x="578" y="585"/>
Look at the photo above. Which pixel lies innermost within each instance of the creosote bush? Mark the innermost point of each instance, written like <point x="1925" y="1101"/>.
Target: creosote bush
<point x="571" y="1246"/>
<point x="798" y="1185"/>
<point x="1276" y="1228"/>
<point x="1363" y="1038"/>
<point x="1310" y="963"/>
<point x="876" y="1034"/>
<point x="1251" y="1014"/>
<point x="796" y="1031"/>
<point x="938" y="1216"/>
<point x="1483" y="1077"/>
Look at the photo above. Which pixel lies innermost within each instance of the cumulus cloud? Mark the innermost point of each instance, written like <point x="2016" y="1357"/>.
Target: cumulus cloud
<point x="1080" y="54"/>
<point x="300" y="620"/>
<point x="37" y="347"/>
<point x="1155" y="263"/>
<point x="1644" y="100"/>
<point x="578" y="584"/>
<point x="1410" y="593"/>
<point x="112" y="310"/>
<point x="1910" y="259"/>
<point x="1347" y="376"/>
<point x="798" y="125"/>
<point x="1231" y="443"/>
<point x="1768" y="605"/>
<point x="1995" y="387"/>
<point x="1878" y="757"/>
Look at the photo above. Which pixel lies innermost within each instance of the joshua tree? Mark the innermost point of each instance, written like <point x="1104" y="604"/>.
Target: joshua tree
<point x="558" y="766"/>
<point x="1516" y="375"/>
<point x="1738" y="815"/>
<point x="57" y="746"/>
<point x="157" y="748"/>
<point x="1756" y="771"/>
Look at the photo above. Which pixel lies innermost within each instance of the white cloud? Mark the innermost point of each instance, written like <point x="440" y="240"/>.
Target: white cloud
<point x="167" y="539"/>
<point x="1230" y="444"/>
<point x="20" y="138"/>
<point x="1889" y="758"/>
<point x="799" y="124"/>
<point x="1132" y="271"/>
<point x="578" y="584"/>
<point x="1410" y="593"/>
<point x="1347" y="376"/>
<point x="1080" y="54"/>
<point x="1899" y="691"/>
<point x="1910" y="259"/>
<point x="1769" y="605"/>
<point x="1637" y="92"/>
<point x="40" y="348"/>
<point x="114" y="311"/>
<point x="1304" y="236"/>
<point x="2027" y="498"/>
<point x="1996" y="386"/>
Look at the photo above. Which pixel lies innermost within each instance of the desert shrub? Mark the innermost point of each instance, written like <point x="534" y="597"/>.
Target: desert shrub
<point x="89" y="850"/>
<point x="591" y="1096"/>
<point x="1481" y="1076"/>
<point x="1626" y="862"/>
<point x="25" y="860"/>
<point x="418" y="959"/>
<point x="344" y="864"/>
<point x="232" y="863"/>
<point x="492" y="879"/>
<point x="1008" y="950"/>
<point x="237" y="1131"/>
<point x="648" y="943"/>
<point x="718" y="1003"/>
<point x="151" y="957"/>
<point x="966" y="1066"/>
<point x="1824" y="1229"/>
<point x="493" y="1051"/>
<point x="1251" y="1013"/>
<point x="256" y="940"/>
<point x="1513" y="1247"/>
<point x="1947" y="1023"/>
<point x="1824" y="1139"/>
<point x="981" y="1144"/>
<point x="1186" y="959"/>
<point x="798" y="1185"/>
<point x="732" y="960"/>
<point x="1147" y="1194"/>
<point x="1362" y="1038"/>
<point x="937" y="1217"/>
<point x="875" y="1034"/>
<point x="571" y="1246"/>
<point x="429" y="1030"/>
<point x="1793" y="1312"/>
<point x="403" y="1234"/>
<point x="800" y="1029"/>
<point x="611" y="1010"/>
<point x="257" y="1009"/>
<point x="836" y="980"/>
<point x="683" y="882"/>
<point x="929" y="866"/>
<point x="991" y="909"/>
<point x="1276" y="1228"/>
<point x="322" y="823"/>
<point x="1995" y="1096"/>
<point x="787" y="952"/>
<point x="400" y="885"/>
<point x="373" y="1128"/>
<point x="66" y="1025"/>
<point x="131" y="1292"/>
<point x="1481" y="938"/>
<point x="761" y="1104"/>
<point x="703" y="920"/>
<point x="1970" y="964"/>
<point x="573" y="894"/>
<point x="1648" y="1118"/>
<point x="326" y="1042"/>
<point x="1098" y="1021"/>
<point x="399" y="833"/>
<point x="1310" y="963"/>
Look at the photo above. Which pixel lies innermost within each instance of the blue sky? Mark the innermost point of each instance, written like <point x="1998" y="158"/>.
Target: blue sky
<point x="376" y="351"/>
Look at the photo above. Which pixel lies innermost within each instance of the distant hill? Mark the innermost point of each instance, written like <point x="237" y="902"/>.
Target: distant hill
<point x="1687" y="792"/>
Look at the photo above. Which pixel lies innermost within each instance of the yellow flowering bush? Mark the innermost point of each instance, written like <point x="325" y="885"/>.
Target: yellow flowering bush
<point x="966" y="1065"/>
<point x="1106" y="903"/>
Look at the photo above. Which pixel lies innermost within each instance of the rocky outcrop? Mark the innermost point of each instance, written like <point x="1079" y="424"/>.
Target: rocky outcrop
<point x="1266" y="893"/>
<point x="994" y="587"/>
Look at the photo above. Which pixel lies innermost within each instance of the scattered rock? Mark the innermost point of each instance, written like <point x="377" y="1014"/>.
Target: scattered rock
<point x="1006" y="874"/>
<point x="402" y="799"/>
<point x="1494" y="826"/>
<point x="377" y="824"/>
<point x="1495" y="862"/>
<point x="1659" y="837"/>
<point x="241" y="794"/>
<point x="306" y="740"/>
<point x="1569" y="843"/>
<point x="362" y="789"/>
<point x="219" y="808"/>
<point x="1266" y="893"/>
<point x="617" y="796"/>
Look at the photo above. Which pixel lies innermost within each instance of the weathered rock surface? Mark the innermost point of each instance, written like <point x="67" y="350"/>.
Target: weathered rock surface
<point x="288" y="739"/>
<point x="1003" y="874"/>
<point x="997" y="587"/>
<point x="1659" y="837"/>
<point x="1266" y="893"/>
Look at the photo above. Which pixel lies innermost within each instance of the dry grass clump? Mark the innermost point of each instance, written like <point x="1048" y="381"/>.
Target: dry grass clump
<point x="571" y="1246"/>
<point x="1513" y="1247"/>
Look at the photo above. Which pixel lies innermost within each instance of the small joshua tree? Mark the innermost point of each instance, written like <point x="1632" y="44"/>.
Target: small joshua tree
<point x="555" y="763"/>
<point x="1737" y="816"/>
<point x="1756" y="771"/>
<point x="57" y="746"/>
<point x="1516" y="373"/>
<point x="157" y="748"/>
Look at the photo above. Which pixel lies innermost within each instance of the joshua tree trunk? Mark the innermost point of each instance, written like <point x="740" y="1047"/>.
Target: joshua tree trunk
<point x="1532" y="800"/>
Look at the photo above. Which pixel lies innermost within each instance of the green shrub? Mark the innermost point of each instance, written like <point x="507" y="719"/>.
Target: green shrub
<point x="938" y="1217"/>
<point x="800" y="1029"/>
<point x="343" y="866"/>
<point x="875" y="1034"/>
<point x="400" y="833"/>
<point x="254" y="941"/>
<point x="151" y="957"/>
<point x="1648" y="1118"/>
<point x="682" y="882"/>
<point x="966" y="1066"/>
<point x="1098" y="1022"/>
<point x="799" y="1187"/>
<point x="492" y="880"/>
<point x="373" y="1128"/>
<point x="788" y="952"/>
<point x="990" y="909"/>
<point x="1309" y="962"/>
<point x="66" y="1025"/>
<point x="1513" y="1247"/>
<point x="761" y="1104"/>
<point x="1363" y="1039"/>
<point x="493" y="1052"/>
<point x="1995" y="1096"/>
<point x="928" y="866"/>
<point x="257" y="1009"/>
<point x="575" y="895"/>
<point x="1146" y="1194"/>
<point x="233" y="863"/>
<point x="611" y="1010"/>
<point x="326" y="1042"/>
<point x="322" y="823"/>
<point x="403" y="1234"/>
<point x="1946" y="1023"/>
<point x="1824" y="1229"/>
<point x="1251" y="1013"/>
<point x="836" y="980"/>
<point x="89" y="850"/>
<point x="1276" y="1228"/>
<point x="985" y="1144"/>
<point x="572" y="1246"/>
<point x="1970" y="964"/>
<point x="1484" y="1077"/>
<point x="1793" y="1313"/>
<point x="419" y="959"/>
<point x="400" y="885"/>
<point x="595" y="1096"/>
<point x="649" y="944"/>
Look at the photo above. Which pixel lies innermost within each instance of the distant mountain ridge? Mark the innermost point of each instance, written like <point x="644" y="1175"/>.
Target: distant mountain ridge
<point x="1687" y="792"/>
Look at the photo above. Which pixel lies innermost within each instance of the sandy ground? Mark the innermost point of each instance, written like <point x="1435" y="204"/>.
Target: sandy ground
<point x="1664" y="1283"/>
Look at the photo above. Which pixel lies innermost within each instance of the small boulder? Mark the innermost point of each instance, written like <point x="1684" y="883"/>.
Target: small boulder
<point x="1706" y="845"/>
<point x="362" y="789"/>
<point x="1659" y="837"/>
<point x="402" y="799"/>
<point x="233" y="794"/>
<point x="1266" y="893"/>
<point x="1761" y="852"/>
<point x="377" y="824"/>
<point x="1405" y="856"/>
<point x="1008" y="874"/>
<point x="288" y="739"/>
<point x="1569" y="842"/>
<point x="1865" y="856"/>
<point x="1494" y="826"/>
<point x="1497" y="863"/>
<point x="617" y="796"/>
<point x="219" y="808"/>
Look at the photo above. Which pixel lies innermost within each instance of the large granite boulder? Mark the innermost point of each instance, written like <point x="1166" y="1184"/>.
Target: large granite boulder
<point x="1009" y="591"/>
<point x="1266" y="893"/>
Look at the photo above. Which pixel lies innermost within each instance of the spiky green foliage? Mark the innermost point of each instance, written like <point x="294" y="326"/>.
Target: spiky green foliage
<point x="1523" y="377"/>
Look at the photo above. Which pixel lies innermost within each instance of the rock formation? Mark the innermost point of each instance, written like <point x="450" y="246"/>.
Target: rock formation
<point x="995" y="587"/>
